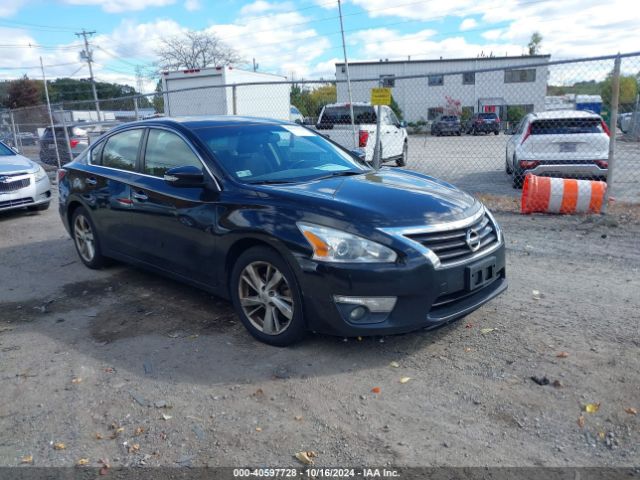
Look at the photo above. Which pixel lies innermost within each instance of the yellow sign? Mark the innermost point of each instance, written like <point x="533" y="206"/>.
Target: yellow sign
<point x="380" y="96"/>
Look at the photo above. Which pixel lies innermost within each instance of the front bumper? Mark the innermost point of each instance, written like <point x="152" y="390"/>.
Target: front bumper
<point x="36" y="193"/>
<point x="576" y="169"/>
<point x="427" y="297"/>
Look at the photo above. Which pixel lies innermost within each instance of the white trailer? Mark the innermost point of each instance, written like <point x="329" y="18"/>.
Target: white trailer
<point x="225" y="91"/>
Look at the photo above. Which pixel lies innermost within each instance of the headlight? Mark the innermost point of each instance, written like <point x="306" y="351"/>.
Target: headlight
<point x="40" y="174"/>
<point x="331" y="245"/>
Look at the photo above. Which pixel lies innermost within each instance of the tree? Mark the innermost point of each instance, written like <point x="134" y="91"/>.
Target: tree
<point x="194" y="50"/>
<point x="158" y="98"/>
<point x="23" y="93"/>
<point x="628" y="90"/>
<point x="515" y="114"/>
<point x="396" y="108"/>
<point x="535" y="43"/>
<point x="452" y="106"/>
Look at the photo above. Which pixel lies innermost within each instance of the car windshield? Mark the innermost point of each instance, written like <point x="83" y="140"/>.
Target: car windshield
<point x="267" y="153"/>
<point x="487" y="115"/>
<point x="563" y="126"/>
<point x="342" y="115"/>
<point x="4" y="150"/>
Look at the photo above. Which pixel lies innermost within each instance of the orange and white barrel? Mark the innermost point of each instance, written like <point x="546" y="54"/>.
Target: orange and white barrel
<point x="561" y="195"/>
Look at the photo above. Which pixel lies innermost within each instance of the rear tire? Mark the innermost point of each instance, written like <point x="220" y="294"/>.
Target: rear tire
<point x="507" y="167"/>
<point x="497" y="132"/>
<point x="264" y="308"/>
<point x="518" y="176"/>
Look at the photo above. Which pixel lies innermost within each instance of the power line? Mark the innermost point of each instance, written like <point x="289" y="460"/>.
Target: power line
<point x="33" y="67"/>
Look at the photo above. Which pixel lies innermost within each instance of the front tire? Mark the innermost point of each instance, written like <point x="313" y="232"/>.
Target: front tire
<point x="402" y="161"/>
<point x="85" y="238"/>
<point x="266" y="297"/>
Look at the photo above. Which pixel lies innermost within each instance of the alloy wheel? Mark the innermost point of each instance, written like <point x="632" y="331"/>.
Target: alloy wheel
<point x="265" y="297"/>
<point x="84" y="238"/>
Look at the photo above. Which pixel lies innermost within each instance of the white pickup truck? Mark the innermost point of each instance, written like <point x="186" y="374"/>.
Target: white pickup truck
<point x="335" y="123"/>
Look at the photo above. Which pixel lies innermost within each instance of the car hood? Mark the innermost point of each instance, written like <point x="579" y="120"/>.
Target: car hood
<point x="387" y="198"/>
<point x="16" y="164"/>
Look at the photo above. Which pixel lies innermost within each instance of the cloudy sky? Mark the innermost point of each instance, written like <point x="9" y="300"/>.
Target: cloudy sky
<point x="302" y="37"/>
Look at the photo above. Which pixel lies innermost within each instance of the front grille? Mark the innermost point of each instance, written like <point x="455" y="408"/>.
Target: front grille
<point x="9" y="186"/>
<point x="16" y="203"/>
<point x="451" y="246"/>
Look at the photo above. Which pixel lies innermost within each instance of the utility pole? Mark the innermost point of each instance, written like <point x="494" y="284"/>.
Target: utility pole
<point x="346" y="67"/>
<point x="53" y="130"/>
<point x="139" y="86"/>
<point x="87" y="55"/>
<point x="255" y="65"/>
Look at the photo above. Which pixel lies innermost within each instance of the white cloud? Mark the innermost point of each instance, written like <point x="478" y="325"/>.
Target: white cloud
<point x="10" y="7"/>
<point x="262" y="6"/>
<point x="494" y="34"/>
<point x="192" y="5"/>
<point x="118" y="6"/>
<point x="468" y="24"/>
<point x="570" y="28"/>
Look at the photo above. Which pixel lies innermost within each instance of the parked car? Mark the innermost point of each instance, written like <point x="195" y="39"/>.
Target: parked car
<point x="335" y="123"/>
<point x="561" y="143"/>
<point x="446" y="124"/>
<point x="300" y="234"/>
<point x="23" y="183"/>
<point x="483" y="122"/>
<point x="27" y="138"/>
<point x="295" y="115"/>
<point x="78" y="142"/>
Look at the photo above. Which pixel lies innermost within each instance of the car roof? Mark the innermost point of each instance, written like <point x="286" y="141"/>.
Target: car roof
<point x="202" y="121"/>
<point x="561" y="114"/>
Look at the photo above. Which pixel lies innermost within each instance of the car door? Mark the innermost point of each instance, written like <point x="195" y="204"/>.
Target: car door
<point x="174" y="226"/>
<point x="106" y="188"/>
<point x="392" y="138"/>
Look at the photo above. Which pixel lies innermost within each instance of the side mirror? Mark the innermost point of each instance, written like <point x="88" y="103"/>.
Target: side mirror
<point x="187" y="176"/>
<point x="359" y="153"/>
<point x="402" y="124"/>
<point x="15" y="150"/>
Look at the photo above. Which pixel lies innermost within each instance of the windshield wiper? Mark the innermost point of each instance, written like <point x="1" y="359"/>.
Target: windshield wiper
<point x="341" y="173"/>
<point x="269" y="182"/>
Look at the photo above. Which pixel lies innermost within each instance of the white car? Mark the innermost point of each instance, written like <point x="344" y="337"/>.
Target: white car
<point x="335" y="123"/>
<point x="23" y="182"/>
<point x="562" y="143"/>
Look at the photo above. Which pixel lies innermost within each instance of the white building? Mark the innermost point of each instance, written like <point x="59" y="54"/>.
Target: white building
<point x="447" y="81"/>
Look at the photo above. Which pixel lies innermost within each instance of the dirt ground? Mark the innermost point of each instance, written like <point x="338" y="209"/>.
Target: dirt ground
<point x="132" y="368"/>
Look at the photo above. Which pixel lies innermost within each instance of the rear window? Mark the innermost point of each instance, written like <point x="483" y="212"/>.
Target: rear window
<point x="71" y="131"/>
<point x="342" y="115"/>
<point x="449" y="118"/>
<point x="563" y="126"/>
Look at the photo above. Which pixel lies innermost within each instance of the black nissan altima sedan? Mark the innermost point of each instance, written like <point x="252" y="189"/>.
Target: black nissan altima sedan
<point x="299" y="233"/>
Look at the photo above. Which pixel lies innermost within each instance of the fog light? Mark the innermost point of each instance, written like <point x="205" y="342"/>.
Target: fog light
<point x="373" y="304"/>
<point x="357" y="313"/>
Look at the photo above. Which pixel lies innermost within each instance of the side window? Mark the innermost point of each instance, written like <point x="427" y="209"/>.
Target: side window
<point x="392" y="118"/>
<point x="166" y="150"/>
<point x="121" y="150"/>
<point x="96" y="154"/>
<point x="523" y="122"/>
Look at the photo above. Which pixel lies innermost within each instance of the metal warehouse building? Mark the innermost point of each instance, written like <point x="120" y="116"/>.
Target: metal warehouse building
<point x="423" y="98"/>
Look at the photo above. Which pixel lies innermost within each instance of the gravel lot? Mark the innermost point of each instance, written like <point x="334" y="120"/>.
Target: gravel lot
<point x="135" y="369"/>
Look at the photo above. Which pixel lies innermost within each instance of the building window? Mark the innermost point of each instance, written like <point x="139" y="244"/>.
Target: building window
<point x="436" y="80"/>
<point x="520" y="76"/>
<point x="433" y="113"/>
<point x="469" y="78"/>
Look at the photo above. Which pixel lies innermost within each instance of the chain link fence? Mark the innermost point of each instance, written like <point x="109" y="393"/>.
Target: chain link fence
<point x="483" y="124"/>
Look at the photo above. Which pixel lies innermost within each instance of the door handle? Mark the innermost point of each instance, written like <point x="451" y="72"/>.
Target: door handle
<point x="140" y="196"/>
<point x="91" y="181"/>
